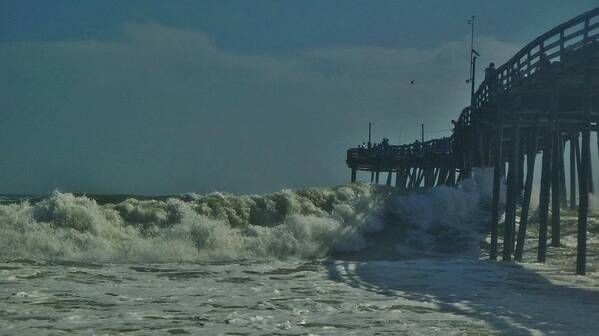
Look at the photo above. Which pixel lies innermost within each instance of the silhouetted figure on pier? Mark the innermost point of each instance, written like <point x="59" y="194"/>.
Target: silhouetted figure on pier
<point x="455" y="125"/>
<point x="491" y="76"/>
<point x="544" y="62"/>
<point x="515" y="75"/>
<point x="381" y="149"/>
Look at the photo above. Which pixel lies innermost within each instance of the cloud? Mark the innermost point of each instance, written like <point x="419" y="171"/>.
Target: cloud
<point x="162" y="110"/>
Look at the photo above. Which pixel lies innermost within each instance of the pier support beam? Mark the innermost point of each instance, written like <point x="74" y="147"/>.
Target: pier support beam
<point x="573" y="172"/>
<point x="353" y="175"/>
<point x="413" y="178"/>
<point x="585" y="183"/>
<point x="583" y="208"/>
<point x="562" y="177"/>
<point x="497" y="173"/>
<point x="450" y="181"/>
<point x="420" y="178"/>
<point x="591" y="182"/>
<point x="533" y="140"/>
<point x="512" y="192"/>
<point x="429" y="177"/>
<point x="555" y="188"/>
<point x="521" y="176"/>
<point x="436" y="174"/>
<point x="399" y="178"/>
<point x="544" y="195"/>
<point x="442" y="176"/>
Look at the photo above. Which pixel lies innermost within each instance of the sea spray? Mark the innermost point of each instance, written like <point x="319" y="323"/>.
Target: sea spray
<point x="447" y="219"/>
<point x="306" y="223"/>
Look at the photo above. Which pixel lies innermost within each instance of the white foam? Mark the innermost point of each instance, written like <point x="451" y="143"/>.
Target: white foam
<point x="308" y="223"/>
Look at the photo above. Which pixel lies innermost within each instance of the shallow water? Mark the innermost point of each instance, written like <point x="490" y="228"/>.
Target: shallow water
<point x="328" y="297"/>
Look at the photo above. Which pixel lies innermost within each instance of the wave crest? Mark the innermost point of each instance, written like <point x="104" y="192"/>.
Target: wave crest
<point x="306" y="223"/>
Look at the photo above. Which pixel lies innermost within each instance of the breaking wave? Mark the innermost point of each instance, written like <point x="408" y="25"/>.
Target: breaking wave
<point x="306" y="223"/>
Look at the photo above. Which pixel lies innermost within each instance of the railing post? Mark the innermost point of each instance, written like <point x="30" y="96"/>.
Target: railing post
<point x="586" y="31"/>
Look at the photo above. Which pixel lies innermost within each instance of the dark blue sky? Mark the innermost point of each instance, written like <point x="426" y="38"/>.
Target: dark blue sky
<point x="243" y="96"/>
<point x="261" y="26"/>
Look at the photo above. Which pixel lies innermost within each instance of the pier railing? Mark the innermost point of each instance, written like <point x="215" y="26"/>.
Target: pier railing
<point x="554" y="45"/>
<point x="417" y="153"/>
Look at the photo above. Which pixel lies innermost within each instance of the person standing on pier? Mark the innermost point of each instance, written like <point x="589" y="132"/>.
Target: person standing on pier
<point x="491" y="76"/>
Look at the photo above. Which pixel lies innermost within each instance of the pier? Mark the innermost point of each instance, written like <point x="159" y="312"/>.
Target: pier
<point x="544" y="100"/>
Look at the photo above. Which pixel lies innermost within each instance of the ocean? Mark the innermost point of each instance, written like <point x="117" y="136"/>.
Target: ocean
<point x="347" y="260"/>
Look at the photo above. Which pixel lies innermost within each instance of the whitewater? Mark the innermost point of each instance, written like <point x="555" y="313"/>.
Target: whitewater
<point x="353" y="260"/>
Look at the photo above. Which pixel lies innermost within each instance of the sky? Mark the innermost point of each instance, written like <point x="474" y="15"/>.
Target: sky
<point x="165" y="97"/>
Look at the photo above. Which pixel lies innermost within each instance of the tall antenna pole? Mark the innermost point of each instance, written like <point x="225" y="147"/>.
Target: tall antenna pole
<point x="422" y="133"/>
<point x="369" y="134"/>
<point x="472" y="79"/>
<point x="471" y="22"/>
<point x="473" y="54"/>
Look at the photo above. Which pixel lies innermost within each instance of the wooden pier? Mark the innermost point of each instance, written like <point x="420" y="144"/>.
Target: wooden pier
<point x="545" y="98"/>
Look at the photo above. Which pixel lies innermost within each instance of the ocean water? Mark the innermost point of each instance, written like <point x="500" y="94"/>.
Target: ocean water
<point x="347" y="260"/>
